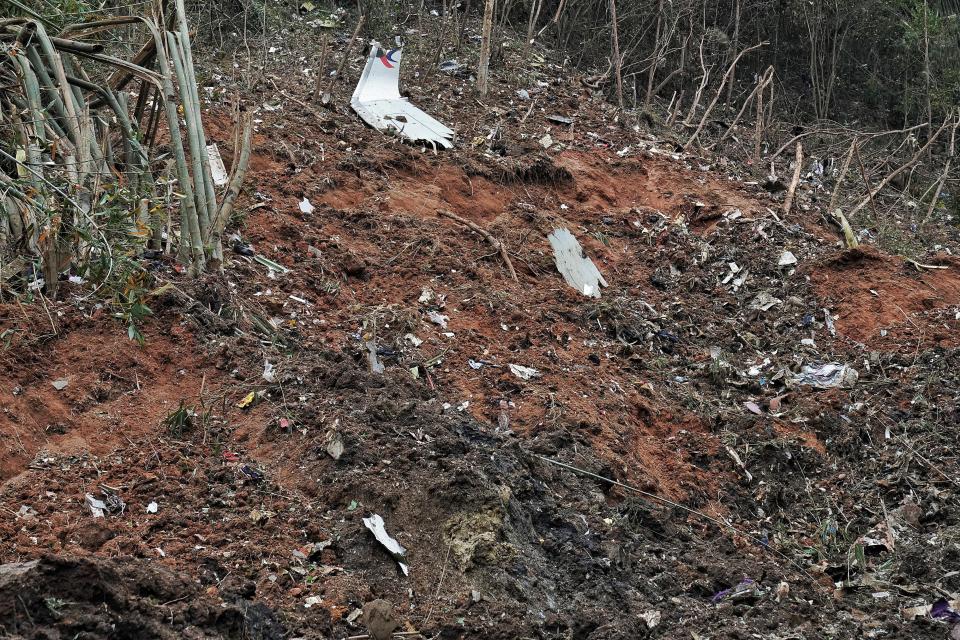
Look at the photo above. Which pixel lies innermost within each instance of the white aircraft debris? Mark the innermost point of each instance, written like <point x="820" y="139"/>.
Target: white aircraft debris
<point x="378" y="102"/>
<point x="577" y="269"/>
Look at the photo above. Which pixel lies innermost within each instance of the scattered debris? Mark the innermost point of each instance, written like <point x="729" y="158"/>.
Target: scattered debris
<point x="651" y="618"/>
<point x="379" y="619"/>
<point x="372" y="360"/>
<point x="764" y="301"/>
<point x="941" y="609"/>
<point x="828" y="320"/>
<point x="153" y="507"/>
<point x="739" y="462"/>
<point x="376" y="525"/>
<point x="524" y="373"/>
<point x="572" y="262"/>
<point x="783" y="591"/>
<point x="97" y="507"/>
<point x="260" y="516"/>
<point x="61" y="384"/>
<point x="270" y="264"/>
<point x="306" y="206"/>
<point x="378" y="102"/>
<point x="787" y="259"/>
<point x="269" y="372"/>
<point x="438" y="318"/>
<point x="452" y="67"/>
<point x="26" y="511"/>
<point x="745" y="590"/>
<point x="827" y="376"/>
<point x="335" y="446"/>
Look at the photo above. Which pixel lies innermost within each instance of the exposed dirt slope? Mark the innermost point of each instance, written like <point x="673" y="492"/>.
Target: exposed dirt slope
<point x="784" y="510"/>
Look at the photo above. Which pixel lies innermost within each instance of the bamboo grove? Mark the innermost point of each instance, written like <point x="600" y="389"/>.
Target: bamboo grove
<point x="97" y="149"/>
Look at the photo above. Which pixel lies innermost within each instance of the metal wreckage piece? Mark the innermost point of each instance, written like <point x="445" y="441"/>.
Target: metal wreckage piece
<point x="378" y="102"/>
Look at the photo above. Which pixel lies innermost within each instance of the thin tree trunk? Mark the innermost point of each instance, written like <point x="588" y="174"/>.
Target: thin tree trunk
<point x="615" y="41"/>
<point x="321" y="66"/>
<point x="841" y="177"/>
<point x="761" y="85"/>
<point x="926" y="67"/>
<point x="654" y="63"/>
<point x="736" y="43"/>
<point x="726" y="76"/>
<point x="483" y="69"/>
<point x="531" y="25"/>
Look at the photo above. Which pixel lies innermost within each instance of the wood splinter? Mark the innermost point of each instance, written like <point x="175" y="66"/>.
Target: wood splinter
<point x="496" y="244"/>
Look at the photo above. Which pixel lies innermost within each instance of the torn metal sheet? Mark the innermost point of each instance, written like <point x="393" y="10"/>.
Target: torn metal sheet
<point x="217" y="171"/>
<point x="376" y="526"/>
<point x="378" y="102"/>
<point x="826" y="376"/>
<point x="577" y="269"/>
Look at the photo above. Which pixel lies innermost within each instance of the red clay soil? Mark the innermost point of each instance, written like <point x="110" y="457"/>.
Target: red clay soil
<point x="116" y="390"/>
<point x="886" y="302"/>
<point x="578" y="187"/>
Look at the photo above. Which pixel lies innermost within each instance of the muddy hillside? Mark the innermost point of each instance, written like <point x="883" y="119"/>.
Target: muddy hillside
<point x="564" y="379"/>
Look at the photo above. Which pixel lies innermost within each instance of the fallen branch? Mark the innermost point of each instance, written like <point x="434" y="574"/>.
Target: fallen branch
<point x="920" y="265"/>
<point x="327" y="95"/>
<point x="496" y="244"/>
<point x="788" y="201"/>
<point x="838" y="131"/>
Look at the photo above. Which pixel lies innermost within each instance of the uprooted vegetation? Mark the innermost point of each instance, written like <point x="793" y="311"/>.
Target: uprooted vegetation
<point x="750" y="431"/>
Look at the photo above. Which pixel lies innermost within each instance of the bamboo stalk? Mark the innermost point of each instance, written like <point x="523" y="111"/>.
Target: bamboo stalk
<point x="191" y="247"/>
<point x="187" y="50"/>
<point x="239" y="172"/>
<point x="193" y="140"/>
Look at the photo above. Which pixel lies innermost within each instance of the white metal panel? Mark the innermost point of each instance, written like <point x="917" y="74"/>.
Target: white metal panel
<point x="378" y="102"/>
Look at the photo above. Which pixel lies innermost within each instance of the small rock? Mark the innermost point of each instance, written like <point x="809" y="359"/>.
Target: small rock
<point x="379" y="620"/>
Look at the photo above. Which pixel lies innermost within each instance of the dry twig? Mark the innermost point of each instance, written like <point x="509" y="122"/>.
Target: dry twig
<point x="496" y="244"/>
